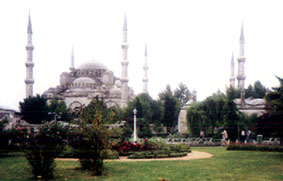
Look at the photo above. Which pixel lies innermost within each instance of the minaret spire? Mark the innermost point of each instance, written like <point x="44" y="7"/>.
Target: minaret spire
<point x="125" y="63"/>
<point x="29" y="63"/>
<point x="241" y="61"/>
<point x="232" y="78"/>
<point x="72" y="67"/>
<point x="145" y="68"/>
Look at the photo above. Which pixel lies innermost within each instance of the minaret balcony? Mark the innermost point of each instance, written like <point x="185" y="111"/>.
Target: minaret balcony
<point x="29" y="64"/>
<point x="29" y="47"/>
<point x="125" y="63"/>
<point x="241" y="59"/>
<point x="29" y="81"/>
<point x="124" y="45"/>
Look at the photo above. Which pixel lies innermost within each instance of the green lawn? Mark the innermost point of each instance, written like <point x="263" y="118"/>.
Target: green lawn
<point x="224" y="165"/>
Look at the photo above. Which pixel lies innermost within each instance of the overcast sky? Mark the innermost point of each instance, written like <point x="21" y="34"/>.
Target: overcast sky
<point x="188" y="41"/>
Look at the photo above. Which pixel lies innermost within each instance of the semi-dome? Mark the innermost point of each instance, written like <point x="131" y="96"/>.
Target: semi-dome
<point x="85" y="80"/>
<point x="92" y="65"/>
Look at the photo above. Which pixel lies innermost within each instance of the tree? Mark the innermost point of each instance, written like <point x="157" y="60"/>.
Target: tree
<point x="271" y="123"/>
<point x="170" y="111"/>
<point x="182" y="94"/>
<point x="148" y="112"/>
<point x="34" y="109"/>
<point x="92" y="137"/>
<point x="196" y="119"/>
<point x="207" y="115"/>
<point x="43" y="147"/>
<point x="213" y="107"/>
<point x="59" y="108"/>
<point x="255" y="91"/>
<point x="231" y="116"/>
<point x="89" y="113"/>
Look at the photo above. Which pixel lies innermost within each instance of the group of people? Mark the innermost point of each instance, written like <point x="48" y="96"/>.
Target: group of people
<point x="245" y="135"/>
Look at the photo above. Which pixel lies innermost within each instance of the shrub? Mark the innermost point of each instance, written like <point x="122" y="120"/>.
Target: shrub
<point x="110" y="154"/>
<point x="42" y="148"/>
<point x="253" y="147"/>
<point x="90" y="139"/>
<point x="67" y="152"/>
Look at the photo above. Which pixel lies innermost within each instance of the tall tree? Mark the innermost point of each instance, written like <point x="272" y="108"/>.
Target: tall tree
<point x="271" y="123"/>
<point x="148" y="112"/>
<point x="255" y="91"/>
<point x="170" y="110"/>
<point x="34" y="109"/>
<point x="197" y="119"/>
<point x="231" y="117"/>
<point x="182" y="93"/>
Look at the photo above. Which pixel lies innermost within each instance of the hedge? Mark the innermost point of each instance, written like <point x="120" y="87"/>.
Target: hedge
<point x="252" y="147"/>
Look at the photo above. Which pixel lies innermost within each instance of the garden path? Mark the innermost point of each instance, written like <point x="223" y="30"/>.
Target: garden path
<point x="191" y="156"/>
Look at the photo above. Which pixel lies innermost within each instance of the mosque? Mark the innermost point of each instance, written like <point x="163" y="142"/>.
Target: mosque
<point x="250" y="105"/>
<point x="90" y="79"/>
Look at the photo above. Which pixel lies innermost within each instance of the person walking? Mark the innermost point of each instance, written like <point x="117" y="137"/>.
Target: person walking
<point x="248" y="135"/>
<point x="243" y="136"/>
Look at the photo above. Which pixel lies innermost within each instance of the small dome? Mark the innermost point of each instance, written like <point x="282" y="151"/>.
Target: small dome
<point x="85" y="80"/>
<point x="92" y="65"/>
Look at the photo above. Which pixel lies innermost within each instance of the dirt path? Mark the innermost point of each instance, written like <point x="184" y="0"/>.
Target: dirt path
<point x="191" y="156"/>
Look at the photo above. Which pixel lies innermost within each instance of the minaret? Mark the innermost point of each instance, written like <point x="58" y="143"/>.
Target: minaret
<point x="232" y="78"/>
<point x="241" y="62"/>
<point x="124" y="62"/>
<point x="72" y="67"/>
<point x="145" y="68"/>
<point x="29" y="64"/>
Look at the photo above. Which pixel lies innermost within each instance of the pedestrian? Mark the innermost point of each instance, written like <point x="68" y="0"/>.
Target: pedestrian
<point x="248" y="135"/>
<point x="201" y="135"/>
<point x="224" y="138"/>
<point x="243" y="135"/>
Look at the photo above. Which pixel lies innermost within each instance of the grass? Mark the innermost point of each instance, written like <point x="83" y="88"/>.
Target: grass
<point x="224" y="165"/>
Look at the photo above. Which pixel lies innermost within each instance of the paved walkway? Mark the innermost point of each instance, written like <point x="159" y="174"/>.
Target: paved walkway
<point x="191" y="156"/>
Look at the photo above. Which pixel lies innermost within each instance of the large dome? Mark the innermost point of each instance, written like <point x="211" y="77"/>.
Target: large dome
<point x="92" y="65"/>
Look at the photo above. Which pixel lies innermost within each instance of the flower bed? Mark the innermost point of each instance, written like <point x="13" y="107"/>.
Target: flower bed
<point x="156" y="154"/>
<point x="254" y="147"/>
<point x="151" y="149"/>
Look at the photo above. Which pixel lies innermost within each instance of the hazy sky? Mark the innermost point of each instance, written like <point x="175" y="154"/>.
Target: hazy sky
<point x="188" y="41"/>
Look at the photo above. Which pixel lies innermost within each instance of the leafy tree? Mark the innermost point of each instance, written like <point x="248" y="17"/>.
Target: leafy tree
<point x="207" y="115"/>
<point x="89" y="113"/>
<point x="213" y="107"/>
<point x="182" y="94"/>
<point x="256" y="91"/>
<point x="92" y="137"/>
<point x="34" y="109"/>
<point x="148" y="112"/>
<point x="231" y="117"/>
<point x="42" y="148"/>
<point x="170" y="111"/>
<point x="196" y="118"/>
<point x="59" y="108"/>
<point x="271" y="123"/>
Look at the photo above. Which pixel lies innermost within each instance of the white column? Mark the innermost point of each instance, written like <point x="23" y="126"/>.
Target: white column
<point x="135" y="125"/>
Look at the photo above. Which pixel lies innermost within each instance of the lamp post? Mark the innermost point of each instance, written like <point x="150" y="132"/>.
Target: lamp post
<point x="135" y="125"/>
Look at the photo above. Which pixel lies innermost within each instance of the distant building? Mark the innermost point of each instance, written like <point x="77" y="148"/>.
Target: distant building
<point x="251" y="106"/>
<point x="12" y="116"/>
<point x="90" y="79"/>
<point x="79" y="86"/>
<point x="248" y="106"/>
